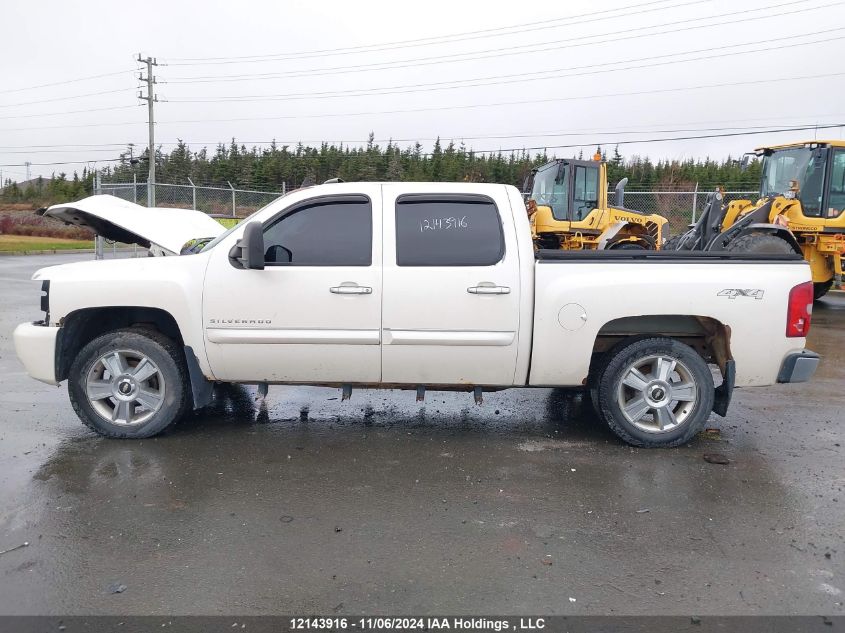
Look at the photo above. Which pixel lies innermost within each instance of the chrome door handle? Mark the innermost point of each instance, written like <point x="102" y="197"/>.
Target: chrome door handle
<point x="351" y="290"/>
<point x="488" y="290"/>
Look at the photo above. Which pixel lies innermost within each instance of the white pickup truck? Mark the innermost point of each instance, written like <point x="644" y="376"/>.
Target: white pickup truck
<point x="416" y="286"/>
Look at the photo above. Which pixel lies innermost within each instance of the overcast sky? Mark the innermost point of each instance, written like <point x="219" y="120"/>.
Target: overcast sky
<point x="494" y="74"/>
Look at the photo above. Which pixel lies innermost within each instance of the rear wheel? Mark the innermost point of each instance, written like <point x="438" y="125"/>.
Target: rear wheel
<point x="761" y="243"/>
<point x="129" y="383"/>
<point x="654" y="392"/>
<point x="628" y="246"/>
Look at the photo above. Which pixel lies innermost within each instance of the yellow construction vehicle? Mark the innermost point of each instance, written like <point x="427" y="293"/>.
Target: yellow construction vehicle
<point x="801" y="210"/>
<point x="567" y="205"/>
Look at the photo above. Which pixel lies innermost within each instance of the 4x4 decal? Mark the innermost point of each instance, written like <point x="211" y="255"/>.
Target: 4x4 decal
<point x="733" y="293"/>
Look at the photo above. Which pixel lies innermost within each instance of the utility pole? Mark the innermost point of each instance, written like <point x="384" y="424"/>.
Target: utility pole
<point x="150" y="98"/>
<point x="28" y="171"/>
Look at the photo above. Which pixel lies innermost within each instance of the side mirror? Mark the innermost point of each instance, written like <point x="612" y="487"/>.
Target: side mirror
<point x="743" y="164"/>
<point x="248" y="252"/>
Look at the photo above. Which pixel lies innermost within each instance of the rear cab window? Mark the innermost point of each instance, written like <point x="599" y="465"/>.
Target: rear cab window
<point x="448" y="230"/>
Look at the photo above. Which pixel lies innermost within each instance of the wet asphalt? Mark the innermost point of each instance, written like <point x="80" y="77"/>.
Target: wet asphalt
<point x="523" y="505"/>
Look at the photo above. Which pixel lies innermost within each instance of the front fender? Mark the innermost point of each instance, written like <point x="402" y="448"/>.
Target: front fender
<point x="772" y="229"/>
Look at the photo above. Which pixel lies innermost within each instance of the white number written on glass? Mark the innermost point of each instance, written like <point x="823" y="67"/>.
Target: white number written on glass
<point x="443" y="224"/>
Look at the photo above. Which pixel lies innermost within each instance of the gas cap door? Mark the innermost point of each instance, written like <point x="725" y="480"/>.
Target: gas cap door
<point x="572" y="316"/>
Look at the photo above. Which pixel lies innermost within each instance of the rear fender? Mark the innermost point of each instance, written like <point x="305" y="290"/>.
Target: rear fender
<point x="626" y="231"/>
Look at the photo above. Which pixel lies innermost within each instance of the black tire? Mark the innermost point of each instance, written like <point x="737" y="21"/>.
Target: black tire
<point x="628" y="246"/>
<point x="821" y="288"/>
<point x="672" y="243"/>
<point x="762" y="243"/>
<point x="166" y="357"/>
<point x="646" y="433"/>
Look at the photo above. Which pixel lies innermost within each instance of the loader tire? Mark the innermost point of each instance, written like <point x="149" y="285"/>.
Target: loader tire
<point x="821" y="288"/>
<point x="761" y="244"/>
<point x="672" y="243"/>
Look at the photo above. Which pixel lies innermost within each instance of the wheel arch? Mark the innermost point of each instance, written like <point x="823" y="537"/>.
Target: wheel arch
<point x="708" y="336"/>
<point x="80" y="327"/>
<point x="772" y="229"/>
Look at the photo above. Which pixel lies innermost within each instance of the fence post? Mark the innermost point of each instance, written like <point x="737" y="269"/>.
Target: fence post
<point x="233" y="198"/>
<point x="283" y="188"/>
<point x="134" y="187"/>
<point x="694" y="202"/>
<point x="98" y="241"/>
<point x="194" y="194"/>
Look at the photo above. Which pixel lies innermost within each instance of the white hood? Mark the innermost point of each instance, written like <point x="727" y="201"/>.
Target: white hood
<point x="123" y="221"/>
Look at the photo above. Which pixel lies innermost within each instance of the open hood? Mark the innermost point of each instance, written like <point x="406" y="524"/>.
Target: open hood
<point x="123" y="221"/>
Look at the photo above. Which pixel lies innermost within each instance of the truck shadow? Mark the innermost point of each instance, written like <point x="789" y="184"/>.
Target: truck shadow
<point x="543" y="412"/>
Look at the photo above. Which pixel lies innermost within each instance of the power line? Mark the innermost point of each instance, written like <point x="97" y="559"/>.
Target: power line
<point x="89" y="94"/>
<point x="587" y="40"/>
<point x="538" y="148"/>
<point x="110" y="147"/>
<point x="514" y="29"/>
<point x="68" y="81"/>
<point x="653" y="91"/>
<point x="496" y="135"/>
<point x="66" y="162"/>
<point x="30" y="116"/>
<point x="52" y="151"/>
<point x="495" y="80"/>
<point x="658" y="140"/>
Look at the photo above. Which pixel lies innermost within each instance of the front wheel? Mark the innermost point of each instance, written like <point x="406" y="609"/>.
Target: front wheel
<point x="654" y="392"/>
<point x="129" y="383"/>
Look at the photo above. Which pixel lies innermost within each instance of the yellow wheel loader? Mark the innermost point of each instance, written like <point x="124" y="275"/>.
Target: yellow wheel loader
<point x="801" y="210"/>
<point x="567" y="205"/>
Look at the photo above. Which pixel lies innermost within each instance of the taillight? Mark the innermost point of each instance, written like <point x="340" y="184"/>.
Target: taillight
<point x="800" y="310"/>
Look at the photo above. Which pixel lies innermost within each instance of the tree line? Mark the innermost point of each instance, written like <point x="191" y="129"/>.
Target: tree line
<point x="270" y="168"/>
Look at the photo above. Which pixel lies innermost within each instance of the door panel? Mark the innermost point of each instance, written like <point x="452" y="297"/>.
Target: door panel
<point x="451" y="287"/>
<point x="314" y="313"/>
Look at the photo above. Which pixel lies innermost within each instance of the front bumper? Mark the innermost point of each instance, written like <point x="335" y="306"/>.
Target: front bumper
<point x="35" y="345"/>
<point x="799" y="366"/>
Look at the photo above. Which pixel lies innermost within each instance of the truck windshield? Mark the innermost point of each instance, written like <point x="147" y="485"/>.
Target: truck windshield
<point x="551" y="189"/>
<point x="226" y="233"/>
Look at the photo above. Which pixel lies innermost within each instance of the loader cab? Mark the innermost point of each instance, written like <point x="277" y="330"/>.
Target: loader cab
<point x="570" y="188"/>
<point x="812" y="172"/>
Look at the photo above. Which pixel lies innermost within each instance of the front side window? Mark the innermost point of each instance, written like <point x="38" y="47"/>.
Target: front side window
<point x="551" y="189"/>
<point x="836" y="199"/>
<point x="811" y="186"/>
<point x="586" y="192"/>
<point x="329" y="232"/>
<point x="448" y="231"/>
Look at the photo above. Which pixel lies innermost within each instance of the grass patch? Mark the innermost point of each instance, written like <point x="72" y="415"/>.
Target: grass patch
<point x="36" y="243"/>
<point x="228" y="222"/>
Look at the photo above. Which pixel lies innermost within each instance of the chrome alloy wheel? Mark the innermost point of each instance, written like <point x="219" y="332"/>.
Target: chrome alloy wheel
<point x="125" y="387"/>
<point x="657" y="394"/>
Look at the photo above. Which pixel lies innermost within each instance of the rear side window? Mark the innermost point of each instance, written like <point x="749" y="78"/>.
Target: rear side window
<point x="448" y="231"/>
<point x="330" y="232"/>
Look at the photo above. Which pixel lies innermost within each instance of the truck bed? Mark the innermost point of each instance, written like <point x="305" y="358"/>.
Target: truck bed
<point x="688" y="257"/>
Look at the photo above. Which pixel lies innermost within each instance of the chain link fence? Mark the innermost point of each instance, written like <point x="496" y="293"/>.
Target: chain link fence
<point x="216" y="201"/>
<point x="681" y="208"/>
